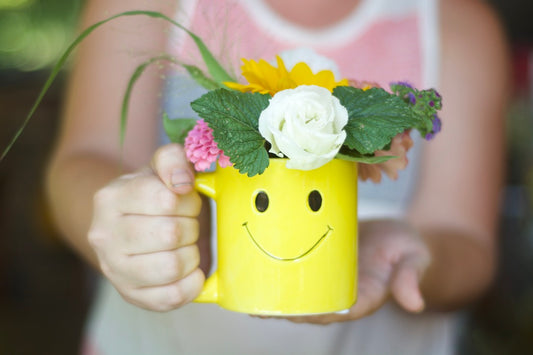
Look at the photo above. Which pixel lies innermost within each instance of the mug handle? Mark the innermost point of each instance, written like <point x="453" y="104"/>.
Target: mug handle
<point x="205" y="184"/>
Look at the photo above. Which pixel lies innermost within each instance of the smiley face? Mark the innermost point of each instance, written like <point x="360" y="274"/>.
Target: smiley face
<point x="286" y="239"/>
<point x="309" y="243"/>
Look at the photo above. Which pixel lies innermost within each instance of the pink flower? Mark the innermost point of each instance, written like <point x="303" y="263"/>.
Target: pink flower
<point x="364" y="85"/>
<point x="400" y="145"/>
<point x="202" y="150"/>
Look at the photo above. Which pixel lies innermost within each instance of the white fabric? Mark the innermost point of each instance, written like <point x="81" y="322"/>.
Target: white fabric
<point x="333" y="36"/>
<point x="120" y="328"/>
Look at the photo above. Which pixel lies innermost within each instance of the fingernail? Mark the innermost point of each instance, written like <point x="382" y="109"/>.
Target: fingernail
<point x="180" y="177"/>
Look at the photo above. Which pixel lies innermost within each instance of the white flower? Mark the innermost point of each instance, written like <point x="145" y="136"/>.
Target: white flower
<point x="304" y="124"/>
<point x="315" y="61"/>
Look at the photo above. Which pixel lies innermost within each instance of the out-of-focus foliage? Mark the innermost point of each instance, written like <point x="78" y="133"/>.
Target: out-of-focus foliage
<point x="34" y="33"/>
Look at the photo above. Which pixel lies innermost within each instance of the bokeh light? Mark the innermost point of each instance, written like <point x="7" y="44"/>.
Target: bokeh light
<point x="14" y="4"/>
<point x="33" y="34"/>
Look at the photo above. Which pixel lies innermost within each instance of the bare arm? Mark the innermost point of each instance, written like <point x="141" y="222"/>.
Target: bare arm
<point x="87" y="153"/>
<point x="457" y="206"/>
<point x="141" y="229"/>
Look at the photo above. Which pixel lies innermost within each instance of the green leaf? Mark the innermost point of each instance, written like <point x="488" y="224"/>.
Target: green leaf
<point x="374" y="117"/>
<point x="365" y="159"/>
<point x="424" y="103"/>
<point x="177" y="129"/>
<point x="199" y="76"/>
<point x="234" y="116"/>
<point x="353" y="155"/>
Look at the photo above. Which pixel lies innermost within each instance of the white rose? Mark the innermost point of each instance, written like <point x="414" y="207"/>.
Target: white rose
<point x="304" y="124"/>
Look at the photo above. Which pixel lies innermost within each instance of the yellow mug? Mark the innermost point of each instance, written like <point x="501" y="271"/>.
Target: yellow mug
<point x="287" y="239"/>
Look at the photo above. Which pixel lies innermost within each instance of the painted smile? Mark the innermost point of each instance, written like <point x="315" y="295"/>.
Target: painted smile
<point x="245" y="225"/>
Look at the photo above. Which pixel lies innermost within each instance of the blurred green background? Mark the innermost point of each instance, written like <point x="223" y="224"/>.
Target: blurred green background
<point x="45" y="290"/>
<point x="33" y="33"/>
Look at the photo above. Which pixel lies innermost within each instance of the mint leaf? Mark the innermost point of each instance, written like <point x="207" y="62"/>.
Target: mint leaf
<point x="177" y="129"/>
<point x="355" y="156"/>
<point x="234" y="116"/>
<point x="374" y="117"/>
<point x="365" y="158"/>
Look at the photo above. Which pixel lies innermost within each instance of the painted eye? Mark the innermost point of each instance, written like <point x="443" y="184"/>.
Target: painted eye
<point x="261" y="201"/>
<point x="315" y="200"/>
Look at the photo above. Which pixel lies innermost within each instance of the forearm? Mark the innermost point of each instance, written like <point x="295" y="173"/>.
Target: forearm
<point x="461" y="179"/>
<point x="461" y="269"/>
<point x="91" y="123"/>
<point x="71" y="185"/>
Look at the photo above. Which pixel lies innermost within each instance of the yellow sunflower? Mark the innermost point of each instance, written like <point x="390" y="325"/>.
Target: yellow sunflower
<point x="266" y="79"/>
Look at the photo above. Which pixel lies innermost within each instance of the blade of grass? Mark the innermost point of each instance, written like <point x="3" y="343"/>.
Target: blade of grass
<point x="193" y="71"/>
<point x="215" y="69"/>
<point x="127" y="95"/>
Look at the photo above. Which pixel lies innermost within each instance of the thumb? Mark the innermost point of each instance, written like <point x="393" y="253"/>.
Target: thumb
<point x="405" y="284"/>
<point x="170" y="164"/>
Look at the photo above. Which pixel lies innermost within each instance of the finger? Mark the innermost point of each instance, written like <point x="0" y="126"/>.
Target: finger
<point x="156" y="269"/>
<point x="405" y="285"/>
<point x="146" y="194"/>
<point x="149" y="234"/>
<point x="371" y="294"/>
<point x="171" y="165"/>
<point x="167" y="297"/>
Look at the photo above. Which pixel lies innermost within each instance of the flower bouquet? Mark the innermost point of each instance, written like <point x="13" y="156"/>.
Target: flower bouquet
<point x="308" y="118"/>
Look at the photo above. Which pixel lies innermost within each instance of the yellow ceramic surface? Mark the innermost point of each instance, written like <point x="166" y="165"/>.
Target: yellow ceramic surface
<point x="291" y="257"/>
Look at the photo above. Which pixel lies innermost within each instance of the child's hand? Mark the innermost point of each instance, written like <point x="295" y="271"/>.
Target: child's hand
<point x="392" y="261"/>
<point x="144" y="232"/>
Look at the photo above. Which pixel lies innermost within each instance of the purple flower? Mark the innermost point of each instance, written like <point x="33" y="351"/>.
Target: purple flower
<point x="403" y="83"/>
<point x="437" y="124"/>
<point x="412" y="98"/>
